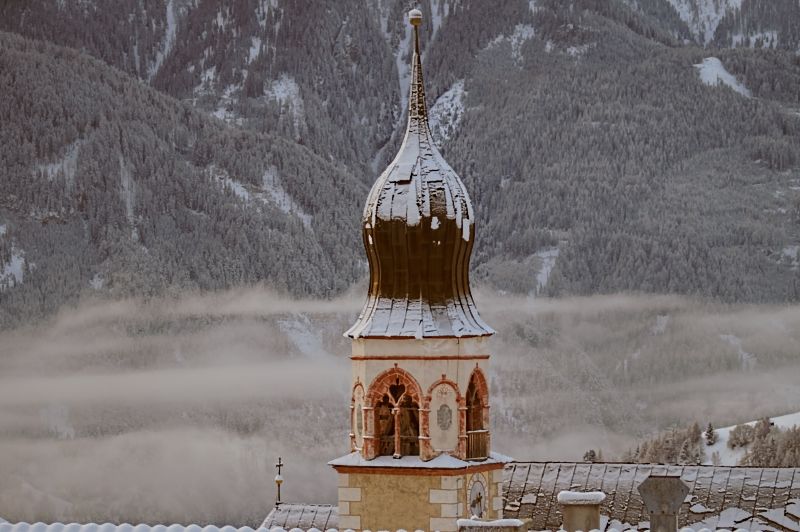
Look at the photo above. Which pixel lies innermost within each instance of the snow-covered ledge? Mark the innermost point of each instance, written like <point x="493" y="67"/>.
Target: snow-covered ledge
<point x="581" y="509"/>
<point x="498" y="525"/>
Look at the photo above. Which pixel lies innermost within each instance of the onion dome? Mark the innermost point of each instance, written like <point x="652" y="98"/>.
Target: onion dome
<point x="418" y="229"/>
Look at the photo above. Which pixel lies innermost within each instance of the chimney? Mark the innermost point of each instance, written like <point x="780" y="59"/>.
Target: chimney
<point x="581" y="509"/>
<point x="663" y="496"/>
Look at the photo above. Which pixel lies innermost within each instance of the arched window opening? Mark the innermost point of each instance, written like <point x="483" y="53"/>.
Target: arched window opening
<point x="474" y="408"/>
<point x="477" y="433"/>
<point x="397" y="422"/>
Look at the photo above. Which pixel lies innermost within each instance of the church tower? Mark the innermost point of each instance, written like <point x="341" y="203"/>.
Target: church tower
<point x="419" y="413"/>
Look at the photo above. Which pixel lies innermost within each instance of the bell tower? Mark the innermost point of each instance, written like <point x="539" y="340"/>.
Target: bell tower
<point x="420" y="437"/>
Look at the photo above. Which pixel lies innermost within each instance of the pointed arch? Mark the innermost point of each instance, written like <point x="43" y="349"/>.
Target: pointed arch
<point x="393" y="400"/>
<point x="477" y="415"/>
<point x="381" y="384"/>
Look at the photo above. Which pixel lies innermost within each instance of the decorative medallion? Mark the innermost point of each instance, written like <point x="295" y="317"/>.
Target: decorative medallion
<point x="444" y="417"/>
<point x="477" y="496"/>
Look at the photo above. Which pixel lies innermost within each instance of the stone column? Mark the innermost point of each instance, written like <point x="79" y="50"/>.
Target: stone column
<point x="663" y="496"/>
<point x="462" y="429"/>
<point x="425" y="448"/>
<point x="581" y="510"/>
<point x="370" y="447"/>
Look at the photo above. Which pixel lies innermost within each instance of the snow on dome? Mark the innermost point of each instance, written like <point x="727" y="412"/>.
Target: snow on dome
<point x="418" y="229"/>
<point x="570" y="498"/>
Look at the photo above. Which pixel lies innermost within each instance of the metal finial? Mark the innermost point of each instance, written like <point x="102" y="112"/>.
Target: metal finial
<point x="415" y="17"/>
<point x="278" y="481"/>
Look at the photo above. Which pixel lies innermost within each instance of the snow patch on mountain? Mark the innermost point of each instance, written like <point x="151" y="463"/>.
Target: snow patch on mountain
<point x="446" y="113"/>
<point x="12" y="271"/>
<point x="67" y="166"/>
<point x="403" y="66"/>
<point x="272" y="189"/>
<point x="713" y="73"/>
<point x="439" y="10"/>
<point x="522" y="34"/>
<point x="264" y="7"/>
<point x="237" y="188"/>
<point x="225" y="106"/>
<point x="285" y="91"/>
<point x="255" y="49"/>
<point x="127" y="188"/>
<point x="271" y="192"/>
<point x="579" y="51"/>
<point x="703" y="16"/>
<point x="731" y="457"/>
<point x="547" y="261"/>
<point x="792" y="254"/>
<point x="166" y="44"/>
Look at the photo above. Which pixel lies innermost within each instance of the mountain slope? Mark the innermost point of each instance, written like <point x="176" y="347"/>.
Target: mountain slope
<point x="108" y="181"/>
<point x="597" y="157"/>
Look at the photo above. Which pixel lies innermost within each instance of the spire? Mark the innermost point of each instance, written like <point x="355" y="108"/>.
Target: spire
<point x="418" y="229"/>
<point x="417" y="108"/>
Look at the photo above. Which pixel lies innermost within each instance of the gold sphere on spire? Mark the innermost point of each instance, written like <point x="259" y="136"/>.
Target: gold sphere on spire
<point x="415" y="17"/>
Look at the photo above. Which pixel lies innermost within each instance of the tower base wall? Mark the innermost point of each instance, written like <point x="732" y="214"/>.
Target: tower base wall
<point x="385" y="498"/>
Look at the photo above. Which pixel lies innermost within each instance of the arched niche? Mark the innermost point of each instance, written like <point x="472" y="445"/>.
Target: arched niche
<point x="357" y="422"/>
<point x="444" y="421"/>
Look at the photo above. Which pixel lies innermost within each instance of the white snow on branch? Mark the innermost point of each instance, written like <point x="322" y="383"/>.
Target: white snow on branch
<point x="703" y="16"/>
<point x="764" y="39"/>
<point x="713" y="73"/>
<point x="445" y="115"/>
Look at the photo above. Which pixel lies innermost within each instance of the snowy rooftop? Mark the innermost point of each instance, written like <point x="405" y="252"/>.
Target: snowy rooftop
<point x="304" y="516"/>
<point x="443" y="461"/>
<point x="109" y="527"/>
<point x="719" y="498"/>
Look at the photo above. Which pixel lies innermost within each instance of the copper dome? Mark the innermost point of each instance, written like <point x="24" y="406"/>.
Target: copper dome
<point x="418" y="229"/>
